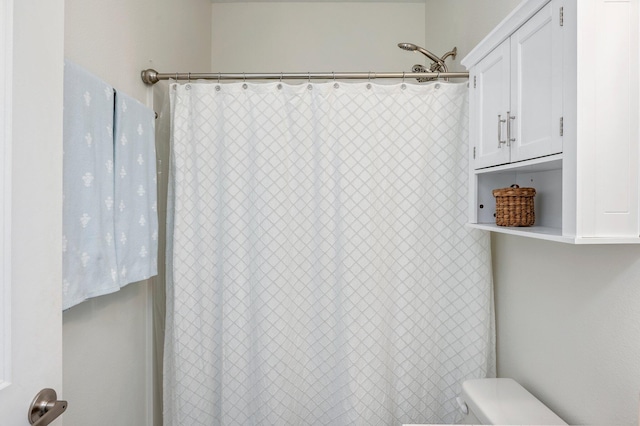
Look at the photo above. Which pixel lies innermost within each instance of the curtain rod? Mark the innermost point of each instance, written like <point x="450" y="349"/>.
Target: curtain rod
<point x="150" y="76"/>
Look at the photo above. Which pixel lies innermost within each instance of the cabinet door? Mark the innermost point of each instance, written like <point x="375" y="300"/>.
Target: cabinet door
<point x="536" y="86"/>
<point x="489" y="105"/>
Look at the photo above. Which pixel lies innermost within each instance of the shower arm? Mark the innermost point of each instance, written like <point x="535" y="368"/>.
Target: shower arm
<point x="453" y="52"/>
<point x="436" y="61"/>
<point x="441" y="61"/>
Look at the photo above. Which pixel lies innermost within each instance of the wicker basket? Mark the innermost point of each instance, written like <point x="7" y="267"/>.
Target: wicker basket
<point x="514" y="206"/>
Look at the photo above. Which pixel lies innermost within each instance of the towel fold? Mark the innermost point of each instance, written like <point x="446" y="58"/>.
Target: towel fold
<point x="89" y="255"/>
<point x="136" y="217"/>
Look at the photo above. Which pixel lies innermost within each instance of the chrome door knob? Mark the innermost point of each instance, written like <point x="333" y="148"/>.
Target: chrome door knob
<point x="45" y="408"/>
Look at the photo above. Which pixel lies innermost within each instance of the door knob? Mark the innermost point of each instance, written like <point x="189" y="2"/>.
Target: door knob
<point x="45" y="408"/>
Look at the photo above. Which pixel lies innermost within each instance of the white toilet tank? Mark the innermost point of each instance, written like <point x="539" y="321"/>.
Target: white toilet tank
<point x="503" y="402"/>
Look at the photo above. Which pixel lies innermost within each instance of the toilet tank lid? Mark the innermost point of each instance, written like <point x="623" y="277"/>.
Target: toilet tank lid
<point x="505" y="401"/>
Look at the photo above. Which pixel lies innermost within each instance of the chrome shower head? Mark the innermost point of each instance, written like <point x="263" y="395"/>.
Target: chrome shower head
<point x="414" y="48"/>
<point x="407" y="46"/>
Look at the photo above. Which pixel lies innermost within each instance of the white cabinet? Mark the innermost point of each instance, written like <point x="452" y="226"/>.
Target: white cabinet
<point x="517" y="94"/>
<point x="557" y="83"/>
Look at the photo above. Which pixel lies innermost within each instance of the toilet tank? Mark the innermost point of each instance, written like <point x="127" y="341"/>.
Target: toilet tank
<point x="504" y="402"/>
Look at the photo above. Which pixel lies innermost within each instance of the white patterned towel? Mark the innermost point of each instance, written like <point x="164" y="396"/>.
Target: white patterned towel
<point x="89" y="256"/>
<point x="136" y="217"/>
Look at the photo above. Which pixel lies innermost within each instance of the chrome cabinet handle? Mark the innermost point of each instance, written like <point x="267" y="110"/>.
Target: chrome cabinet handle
<point x="500" y="121"/>
<point x="509" y="138"/>
<point x="45" y="408"/>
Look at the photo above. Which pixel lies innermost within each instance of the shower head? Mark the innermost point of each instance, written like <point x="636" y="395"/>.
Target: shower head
<point x="414" y="48"/>
<point x="407" y="46"/>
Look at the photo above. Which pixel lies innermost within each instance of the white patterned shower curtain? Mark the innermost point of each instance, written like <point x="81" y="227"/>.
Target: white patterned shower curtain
<point x="319" y="269"/>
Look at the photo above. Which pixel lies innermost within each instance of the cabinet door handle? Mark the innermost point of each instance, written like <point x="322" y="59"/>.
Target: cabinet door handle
<point x="509" y="138"/>
<point x="500" y="121"/>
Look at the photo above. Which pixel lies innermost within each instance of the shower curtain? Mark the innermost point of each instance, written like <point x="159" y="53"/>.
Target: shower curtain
<point x="319" y="270"/>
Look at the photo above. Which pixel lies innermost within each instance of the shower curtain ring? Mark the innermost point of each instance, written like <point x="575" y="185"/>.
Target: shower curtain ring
<point x="188" y="77"/>
<point x="403" y="76"/>
<point x="244" y="77"/>
<point x="218" y="78"/>
<point x="176" y="77"/>
<point x="308" y="77"/>
<point x="334" y="75"/>
<point x="281" y="73"/>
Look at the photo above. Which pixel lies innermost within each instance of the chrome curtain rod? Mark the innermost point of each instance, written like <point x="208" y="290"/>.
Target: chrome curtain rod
<point x="151" y="76"/>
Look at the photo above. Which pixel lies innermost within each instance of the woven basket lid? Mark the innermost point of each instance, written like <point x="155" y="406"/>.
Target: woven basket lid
<point x="514" y="191"/>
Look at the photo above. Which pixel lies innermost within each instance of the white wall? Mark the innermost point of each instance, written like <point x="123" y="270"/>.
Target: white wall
<point x="461" y="23"/>
<point x="568" y="323"/>
<point x="107" y="341"/>
<point x="320" y="37"/>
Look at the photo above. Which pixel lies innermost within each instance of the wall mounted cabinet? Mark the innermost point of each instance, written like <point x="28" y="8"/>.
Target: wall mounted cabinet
<point x="554" y="105"/>
<point x="518" y="94"/>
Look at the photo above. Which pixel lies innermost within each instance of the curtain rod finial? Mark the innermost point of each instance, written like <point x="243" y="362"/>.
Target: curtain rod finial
<point x="149" y="76"/>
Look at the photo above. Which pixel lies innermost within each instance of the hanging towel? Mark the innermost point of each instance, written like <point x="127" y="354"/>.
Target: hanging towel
<point x="136" y="217"/>
<point x="89" y="255"/>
